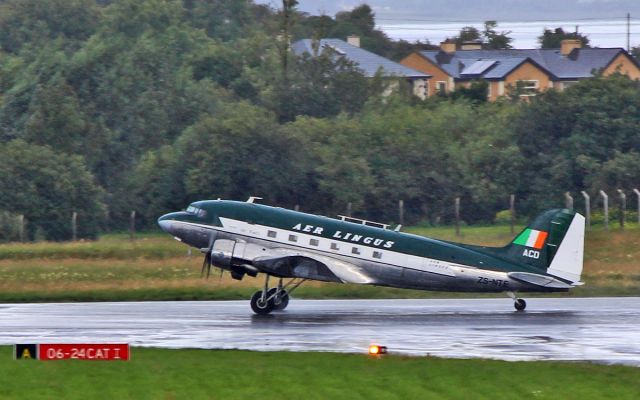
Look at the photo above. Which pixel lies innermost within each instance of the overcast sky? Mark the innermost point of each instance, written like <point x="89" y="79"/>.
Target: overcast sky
<point x="456" y="10"/>
<point x="603" y="21"/>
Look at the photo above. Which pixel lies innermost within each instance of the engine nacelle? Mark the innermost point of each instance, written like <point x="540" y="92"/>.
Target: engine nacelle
<point x="222" y="252"/>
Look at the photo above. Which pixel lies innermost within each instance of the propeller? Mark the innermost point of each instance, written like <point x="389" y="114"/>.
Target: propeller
<point x="206" y="263"/>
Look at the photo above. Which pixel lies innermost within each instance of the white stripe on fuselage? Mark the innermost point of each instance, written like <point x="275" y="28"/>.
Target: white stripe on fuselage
<point x="345" y="249"/>
<point x="397" y="259"/>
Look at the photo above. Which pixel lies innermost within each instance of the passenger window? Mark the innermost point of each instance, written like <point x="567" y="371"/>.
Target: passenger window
<point x="272" y="234"/>
<point x="377" y="254"/>
<point x="355" y="250"/>
<point x="334" y="246"/>
<point x="314" y="242"/>
<point x="293" y="238"/>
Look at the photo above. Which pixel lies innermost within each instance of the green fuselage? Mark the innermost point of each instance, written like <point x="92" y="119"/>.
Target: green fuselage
<point x="371" y="254"/>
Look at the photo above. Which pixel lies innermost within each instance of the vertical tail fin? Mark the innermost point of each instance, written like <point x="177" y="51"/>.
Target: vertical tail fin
<point x="552" y="243"/>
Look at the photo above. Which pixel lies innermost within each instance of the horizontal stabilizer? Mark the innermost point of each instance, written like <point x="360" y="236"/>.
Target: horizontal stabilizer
<point x="539" y="280"/>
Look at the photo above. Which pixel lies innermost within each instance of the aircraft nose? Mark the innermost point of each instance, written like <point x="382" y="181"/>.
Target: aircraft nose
<point x="166" y="224"/>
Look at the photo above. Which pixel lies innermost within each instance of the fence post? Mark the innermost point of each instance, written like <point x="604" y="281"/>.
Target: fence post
<point x="401" y="211"/>
<point x="21" y="227"/>
<point x="605" y="205"/>
<point x="512" y="209"/>
<point x="623" y="208"/>
<point x="568" y="201"/>
<point x="349" y="205"/>
<point x="637" y="192"/>
<point x="132" y="226"/>
<point x="587" y="207"/>
<point x="74" y="226"/>
<point x="457" y="212"/>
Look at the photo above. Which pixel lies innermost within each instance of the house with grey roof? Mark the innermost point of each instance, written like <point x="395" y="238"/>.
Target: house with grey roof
<point x="369" y="63"/>
<point x="530" y="70"/>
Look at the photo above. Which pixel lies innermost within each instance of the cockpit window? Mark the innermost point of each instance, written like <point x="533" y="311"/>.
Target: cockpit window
<point x="196" y="211"/>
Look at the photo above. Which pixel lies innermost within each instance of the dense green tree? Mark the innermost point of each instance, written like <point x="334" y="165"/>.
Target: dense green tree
<point x="34" y="22"/>
<point x="477" y="91"/>
<point x="468" y="34"/>
<point x="494" y="40"/>
<point x="621" y="171"/>
<point x="551" y="39"/>
<point x="320" y="86"/>
<point x="361" y="19"/>
<point x="635" y="52"/>
<point x="157" y="184"/>
<point x="565" y="136"/>
<point x="221" y="19"/>
<point x="47" y="187"/>
<point x="238" y="154"/>
<point x="488" y="37"/>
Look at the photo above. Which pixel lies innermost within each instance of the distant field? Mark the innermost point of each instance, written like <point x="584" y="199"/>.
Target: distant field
<point x="156" y="267"/>
<point x="228" y="374"/>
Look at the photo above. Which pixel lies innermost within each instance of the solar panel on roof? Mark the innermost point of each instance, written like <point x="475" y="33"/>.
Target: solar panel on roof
<point x="478" y="67"/>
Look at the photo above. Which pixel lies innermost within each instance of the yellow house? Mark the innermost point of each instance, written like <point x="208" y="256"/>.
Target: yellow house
<point x="528" y="70"/>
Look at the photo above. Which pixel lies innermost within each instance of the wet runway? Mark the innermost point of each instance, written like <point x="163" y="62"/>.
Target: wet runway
<point x="605" y="330"/>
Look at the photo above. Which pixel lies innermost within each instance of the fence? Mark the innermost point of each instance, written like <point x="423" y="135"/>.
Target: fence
<point x="457" y="204"/>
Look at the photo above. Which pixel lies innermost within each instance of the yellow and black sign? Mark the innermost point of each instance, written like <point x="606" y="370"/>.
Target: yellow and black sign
<point x="26" y="351"/>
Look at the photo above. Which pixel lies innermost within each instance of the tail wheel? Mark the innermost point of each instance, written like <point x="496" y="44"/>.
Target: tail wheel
<point x="260" y="306"/>
<point x="279" y="302"/>
<point x="520" y="304"/>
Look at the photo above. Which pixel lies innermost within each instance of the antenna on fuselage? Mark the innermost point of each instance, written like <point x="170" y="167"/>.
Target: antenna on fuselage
<point x="252" y="198"/>
<point x="397" y="229"/>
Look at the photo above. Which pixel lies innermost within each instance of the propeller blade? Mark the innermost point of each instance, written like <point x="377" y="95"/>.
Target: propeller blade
<point x="206" y="263"/>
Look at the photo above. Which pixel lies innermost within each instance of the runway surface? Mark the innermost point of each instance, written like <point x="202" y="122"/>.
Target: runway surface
<point x="605" y="330"/>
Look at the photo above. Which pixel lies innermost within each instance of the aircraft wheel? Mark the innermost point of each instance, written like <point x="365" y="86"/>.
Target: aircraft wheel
<point x="281" y="303"/>
<point x="520" y="304"/>
<point x="259" y="306"/>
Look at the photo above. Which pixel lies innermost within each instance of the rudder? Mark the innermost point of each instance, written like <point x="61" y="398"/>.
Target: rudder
<point x="553" y="242"/>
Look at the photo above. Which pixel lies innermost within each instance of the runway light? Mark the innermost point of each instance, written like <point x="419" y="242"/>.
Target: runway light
<point x="375" y="350"/>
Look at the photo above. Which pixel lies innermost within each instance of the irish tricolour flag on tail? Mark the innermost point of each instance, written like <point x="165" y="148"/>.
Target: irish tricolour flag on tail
<point x="531" y="238"/>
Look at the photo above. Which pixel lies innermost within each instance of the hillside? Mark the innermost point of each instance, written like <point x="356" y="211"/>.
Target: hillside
<point x="109" y="107"/>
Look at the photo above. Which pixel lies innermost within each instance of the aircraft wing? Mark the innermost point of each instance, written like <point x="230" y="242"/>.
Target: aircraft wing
<point x="285" y="262"/>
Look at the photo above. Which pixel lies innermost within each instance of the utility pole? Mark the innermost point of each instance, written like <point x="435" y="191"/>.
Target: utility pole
<point x="605" y="206"/>
<point x="21" y="225"/>
<point x="628" y="32"/>
<point x="457" y="213"/>
<point x="568" y="201"/>
<point x="132" y="226"/>
<point x="288" y="7"/>
<point x="623" y="207"/>
<point x="587" y="207"/>
<point x="512" y="211"/>
<point x="74" y="226"/>
<point x="637" y="192"/>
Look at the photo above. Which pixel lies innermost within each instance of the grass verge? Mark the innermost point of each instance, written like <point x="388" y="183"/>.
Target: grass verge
<point x="231" y="374"/>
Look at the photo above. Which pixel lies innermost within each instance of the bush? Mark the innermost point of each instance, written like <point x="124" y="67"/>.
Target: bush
<point x="47" y="187"/>
<point x="9" y="227"/>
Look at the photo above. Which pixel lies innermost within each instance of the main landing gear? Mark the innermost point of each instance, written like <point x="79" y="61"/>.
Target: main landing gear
<point x="518" y="303"/>
<point x="275" y="299"/>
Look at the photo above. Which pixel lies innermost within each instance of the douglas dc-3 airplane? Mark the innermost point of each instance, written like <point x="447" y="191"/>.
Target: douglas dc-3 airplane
<point x="247" y="238"/>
